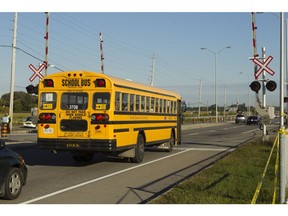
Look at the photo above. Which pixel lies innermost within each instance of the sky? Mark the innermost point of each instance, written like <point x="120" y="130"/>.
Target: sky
<point x="132" y="37"/>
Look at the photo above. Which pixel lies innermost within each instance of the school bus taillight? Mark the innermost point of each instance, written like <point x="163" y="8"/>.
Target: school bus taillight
<point x="48" y="83"/>
<point x="96" y="118"/>
<point x="47" y="117"/>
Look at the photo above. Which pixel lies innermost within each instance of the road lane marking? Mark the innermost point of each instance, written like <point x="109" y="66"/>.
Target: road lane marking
<point x="226" y="129"/>
<point x="100" y="178"/>
<point x="192" y="134"/>
<point x="205" y="149"/>
<point x="250" y="131"/>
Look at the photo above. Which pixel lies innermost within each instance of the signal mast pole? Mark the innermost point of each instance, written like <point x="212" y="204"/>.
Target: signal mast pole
<point x="101" y="51"/>
<point x="47" y="42"/>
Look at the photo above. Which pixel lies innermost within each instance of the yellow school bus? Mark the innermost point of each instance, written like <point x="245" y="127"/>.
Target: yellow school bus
<point x="86" y="112"/>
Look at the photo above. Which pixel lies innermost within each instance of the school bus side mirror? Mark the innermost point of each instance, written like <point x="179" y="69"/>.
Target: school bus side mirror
<point x="183" y="106"/>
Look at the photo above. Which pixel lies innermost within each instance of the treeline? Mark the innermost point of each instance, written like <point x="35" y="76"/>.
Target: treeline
<point x="23" y="102"/>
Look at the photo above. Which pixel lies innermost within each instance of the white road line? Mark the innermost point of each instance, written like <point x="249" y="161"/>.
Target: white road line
<point x="101" y="178"/>
<point x="204" y="149"/>
<point x="193" y="134"/>
<point x="250" y="131"/>
<point x="226" y="129"/>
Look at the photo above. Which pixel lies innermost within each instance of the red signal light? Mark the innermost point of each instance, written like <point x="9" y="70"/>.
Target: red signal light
<point x="100" y="83"/>
<point x="255" y="86"/>
<point x="32" y="89"/>
<point x="271" y="85"/>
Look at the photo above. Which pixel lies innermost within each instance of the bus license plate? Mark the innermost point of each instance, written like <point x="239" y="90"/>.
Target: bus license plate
<point x="48" y="130"/>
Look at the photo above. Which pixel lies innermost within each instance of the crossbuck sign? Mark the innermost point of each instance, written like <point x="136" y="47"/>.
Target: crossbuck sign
<point x="37" y="72"/>
<point x="263" y="66"/>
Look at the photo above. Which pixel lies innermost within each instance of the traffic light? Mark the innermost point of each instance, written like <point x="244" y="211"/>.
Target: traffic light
<point x="285" y="99"/>
<point x="255" y="86"/>
<point x="32" y="89"/>
<point x="271" y="85"/>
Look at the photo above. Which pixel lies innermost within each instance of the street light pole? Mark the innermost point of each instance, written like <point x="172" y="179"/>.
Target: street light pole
<point x="248" y="110"/>
<point x="216" y="85"/>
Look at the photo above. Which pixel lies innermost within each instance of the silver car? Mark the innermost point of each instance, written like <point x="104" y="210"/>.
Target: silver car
<point x="240" y="118"/>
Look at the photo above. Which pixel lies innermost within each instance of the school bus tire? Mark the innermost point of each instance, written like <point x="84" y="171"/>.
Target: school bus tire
<point x="171" y="142"/>
<point x="139" y="149"/>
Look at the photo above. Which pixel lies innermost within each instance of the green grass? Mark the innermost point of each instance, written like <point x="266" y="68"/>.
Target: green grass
<point x="232" y="180"/>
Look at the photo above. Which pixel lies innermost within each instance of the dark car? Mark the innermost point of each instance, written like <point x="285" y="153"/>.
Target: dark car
<point x="13" y="173"/>
<point x="253" y="120"/>
<point x="240" y="118"/>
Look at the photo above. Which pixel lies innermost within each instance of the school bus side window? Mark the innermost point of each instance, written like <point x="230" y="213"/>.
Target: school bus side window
<point x="157" y="105"/>
<point x="148" y="104"/>
<point x="117" y="101"/>
<point x="101" y="101"/>
<point x="132" y="109"/>
<point x="124" y="102"/>
<point x="152" y="104"/>
<point x="137" y="103"/>
<point x="48" y="101"/>
<point x="142" y="104"/>
<point x="161" y="106"/>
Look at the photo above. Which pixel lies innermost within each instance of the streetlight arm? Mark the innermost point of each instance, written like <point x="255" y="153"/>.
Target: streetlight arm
<point x="228" y="47"/>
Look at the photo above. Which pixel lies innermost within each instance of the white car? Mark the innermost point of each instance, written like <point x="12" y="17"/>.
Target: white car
<point x="28" y="123"/>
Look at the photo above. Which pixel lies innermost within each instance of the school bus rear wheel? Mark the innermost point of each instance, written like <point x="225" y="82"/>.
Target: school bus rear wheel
<point x="139" y="149"/>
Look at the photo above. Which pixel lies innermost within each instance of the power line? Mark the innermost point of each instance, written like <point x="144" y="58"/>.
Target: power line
<point x="10" y="46"/>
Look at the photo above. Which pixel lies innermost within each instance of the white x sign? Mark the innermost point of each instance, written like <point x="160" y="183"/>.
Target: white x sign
<point x="263" y="66"/>
<point x="37" y="72"/>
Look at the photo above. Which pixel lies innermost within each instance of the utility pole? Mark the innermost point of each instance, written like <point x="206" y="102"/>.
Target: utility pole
<point x="153" y="70"/>
<point x="47" y="42"/>
<point x="101" y="51"/>
<point x="13" y="71"/>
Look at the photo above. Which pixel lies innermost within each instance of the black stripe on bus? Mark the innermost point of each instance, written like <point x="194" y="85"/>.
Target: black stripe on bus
<point x="143" y="113"/>
<point x="153" y="128"/>
<point x="136" y="122"/>
<point x="121" y="130"/>
<point x="142" y="90"/>
<point x="141" y="122"/>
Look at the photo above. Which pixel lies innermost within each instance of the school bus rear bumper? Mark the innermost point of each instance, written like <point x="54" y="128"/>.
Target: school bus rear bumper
<point x="105" y="145"/>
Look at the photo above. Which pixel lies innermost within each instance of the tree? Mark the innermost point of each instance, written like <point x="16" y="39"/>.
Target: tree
<point x="23" y="102"/>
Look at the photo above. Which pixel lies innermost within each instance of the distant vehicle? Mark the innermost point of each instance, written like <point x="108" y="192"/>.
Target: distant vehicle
<point x="253" y="120"/>
<point x="28" y="123"/>
<point x="240" y="118"/>
<point x="13" y="173"/>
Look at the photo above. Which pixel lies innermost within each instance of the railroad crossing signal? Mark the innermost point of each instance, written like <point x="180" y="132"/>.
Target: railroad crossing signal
<point x="263" y="66"/>
<point x="37" y="72"/>
<point x="270" y="86"/>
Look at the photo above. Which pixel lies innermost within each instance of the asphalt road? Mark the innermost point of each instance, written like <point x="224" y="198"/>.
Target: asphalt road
<point x="56" y="178"/>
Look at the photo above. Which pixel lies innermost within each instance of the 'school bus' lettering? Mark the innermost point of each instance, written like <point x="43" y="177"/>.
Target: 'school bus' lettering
<point x="75" y="82"/>
<point x="109" y="115"/>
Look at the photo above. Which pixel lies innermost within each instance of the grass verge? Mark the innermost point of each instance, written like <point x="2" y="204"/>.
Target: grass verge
<point x="232" y="180"/>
